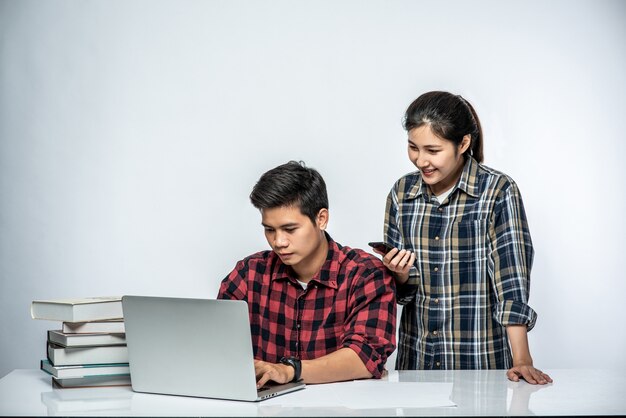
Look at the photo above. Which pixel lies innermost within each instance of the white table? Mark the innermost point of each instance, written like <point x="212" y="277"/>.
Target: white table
<point x="574" y="392"/>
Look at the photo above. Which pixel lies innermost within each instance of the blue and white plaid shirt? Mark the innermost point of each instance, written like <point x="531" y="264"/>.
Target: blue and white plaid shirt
<point x="471" y="276"/>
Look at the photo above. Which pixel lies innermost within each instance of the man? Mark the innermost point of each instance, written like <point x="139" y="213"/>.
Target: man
<point x="319" y="311"/>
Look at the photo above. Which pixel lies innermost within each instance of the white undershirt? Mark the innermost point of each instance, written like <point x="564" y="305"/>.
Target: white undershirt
<point x="443" y="196"/>
<point x="304" y="285"/>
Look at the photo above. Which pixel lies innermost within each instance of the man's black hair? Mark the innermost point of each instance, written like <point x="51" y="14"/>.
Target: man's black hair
<point x="291" y="184"/>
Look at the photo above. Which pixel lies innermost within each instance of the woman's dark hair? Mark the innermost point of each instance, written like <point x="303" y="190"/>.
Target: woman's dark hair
<point x="449" y="116"/>
<point x="291" y="184"/>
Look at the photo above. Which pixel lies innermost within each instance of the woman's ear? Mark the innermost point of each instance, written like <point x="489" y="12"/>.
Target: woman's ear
<point x="466" y="142"/>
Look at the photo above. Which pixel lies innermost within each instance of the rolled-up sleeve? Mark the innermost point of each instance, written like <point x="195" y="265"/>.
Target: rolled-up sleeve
<point x="511" y="260"/>
<point x="370" y="327"/>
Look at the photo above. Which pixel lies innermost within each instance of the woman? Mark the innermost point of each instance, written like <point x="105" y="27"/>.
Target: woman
<point x="463" y="251"/>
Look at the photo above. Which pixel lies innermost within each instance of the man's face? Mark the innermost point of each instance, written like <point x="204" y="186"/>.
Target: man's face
<point x="292" y="235"/>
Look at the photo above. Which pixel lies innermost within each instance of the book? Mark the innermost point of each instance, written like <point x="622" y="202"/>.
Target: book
<point x="77" y="310"/>
<point x="85" y="340"/>
<point x="114" y="325"/>
<point x="84" y="370"/>
<point x="91" y="381"/>
<point x="76" y="356"/>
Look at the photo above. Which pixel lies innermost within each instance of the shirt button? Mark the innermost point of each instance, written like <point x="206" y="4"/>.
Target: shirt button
<point x="440" y="209"/>
<point x="436" y="300"/>
<point x="436" y="269"/>
<point x="438" y="364"/>
<point x="434" y="333"/>
<point x="437" y="238"/>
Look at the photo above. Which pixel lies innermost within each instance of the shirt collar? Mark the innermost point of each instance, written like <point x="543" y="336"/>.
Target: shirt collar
<point x="469" y="177"/>
<point x="327" y="276"/>
<point x="468" y="182"/>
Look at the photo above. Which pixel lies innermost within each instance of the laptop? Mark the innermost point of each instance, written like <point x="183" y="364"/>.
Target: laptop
<point x="193" y="347"/>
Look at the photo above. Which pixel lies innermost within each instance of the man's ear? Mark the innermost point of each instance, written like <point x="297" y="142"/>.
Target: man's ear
<point x="322" y="219"/>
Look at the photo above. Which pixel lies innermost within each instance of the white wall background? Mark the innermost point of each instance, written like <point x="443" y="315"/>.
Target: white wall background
<point x="131" y="133"/>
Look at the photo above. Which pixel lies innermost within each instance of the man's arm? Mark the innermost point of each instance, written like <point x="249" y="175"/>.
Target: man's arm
<point x="234" y="286"/>
<point x="343" y="364"/>
<point x="368" y="334"/>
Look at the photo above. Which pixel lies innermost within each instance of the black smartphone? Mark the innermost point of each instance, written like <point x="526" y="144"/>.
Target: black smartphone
<point x="383" y="247"/>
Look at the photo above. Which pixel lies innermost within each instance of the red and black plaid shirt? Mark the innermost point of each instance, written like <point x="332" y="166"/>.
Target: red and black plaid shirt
<point x="349" y="303"/>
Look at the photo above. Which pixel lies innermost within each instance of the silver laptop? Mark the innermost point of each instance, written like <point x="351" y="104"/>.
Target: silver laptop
<point x="193" y="347"/>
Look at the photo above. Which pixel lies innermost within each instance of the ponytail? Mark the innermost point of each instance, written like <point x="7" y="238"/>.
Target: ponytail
<point x="476" y="146"/>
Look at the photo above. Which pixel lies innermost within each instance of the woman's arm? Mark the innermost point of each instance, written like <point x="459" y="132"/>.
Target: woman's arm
<point x="522" y="361"/>
<point x="401" y="263"/>
<point x="512" y="257"/>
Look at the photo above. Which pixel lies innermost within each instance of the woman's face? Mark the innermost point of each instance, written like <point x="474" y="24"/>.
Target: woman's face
<point x="440" y="161"/>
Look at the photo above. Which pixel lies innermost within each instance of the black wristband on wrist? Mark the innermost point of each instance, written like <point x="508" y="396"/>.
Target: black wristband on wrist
<point x="296" y="364"/>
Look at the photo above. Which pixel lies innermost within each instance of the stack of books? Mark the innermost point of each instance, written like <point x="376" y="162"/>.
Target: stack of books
<point x="90" y="347"/>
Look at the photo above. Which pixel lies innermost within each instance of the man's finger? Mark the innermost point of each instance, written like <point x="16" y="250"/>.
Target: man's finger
<point x="263" y="380"/>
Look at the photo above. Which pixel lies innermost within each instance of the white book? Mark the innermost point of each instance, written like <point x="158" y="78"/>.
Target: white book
<point x="84" y="370"/>
<point x="72" y="356"/>
<point x="77" y="310"/>
<point x="114" y="325"/>
<point x="91" y="381"/>
<point x="85" y="340"/>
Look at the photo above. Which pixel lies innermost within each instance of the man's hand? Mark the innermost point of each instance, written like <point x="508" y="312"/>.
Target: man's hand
<point x="279" y="373"/>
<point x="528" y="373"/>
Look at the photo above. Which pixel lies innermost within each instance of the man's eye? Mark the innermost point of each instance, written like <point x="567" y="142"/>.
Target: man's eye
<point x="290" y="230"/>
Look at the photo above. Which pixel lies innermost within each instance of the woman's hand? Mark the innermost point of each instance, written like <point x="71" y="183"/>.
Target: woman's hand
<point x="529" y="373"/>
<point x="522" y="361"/>
<point x="399" y="262"/>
